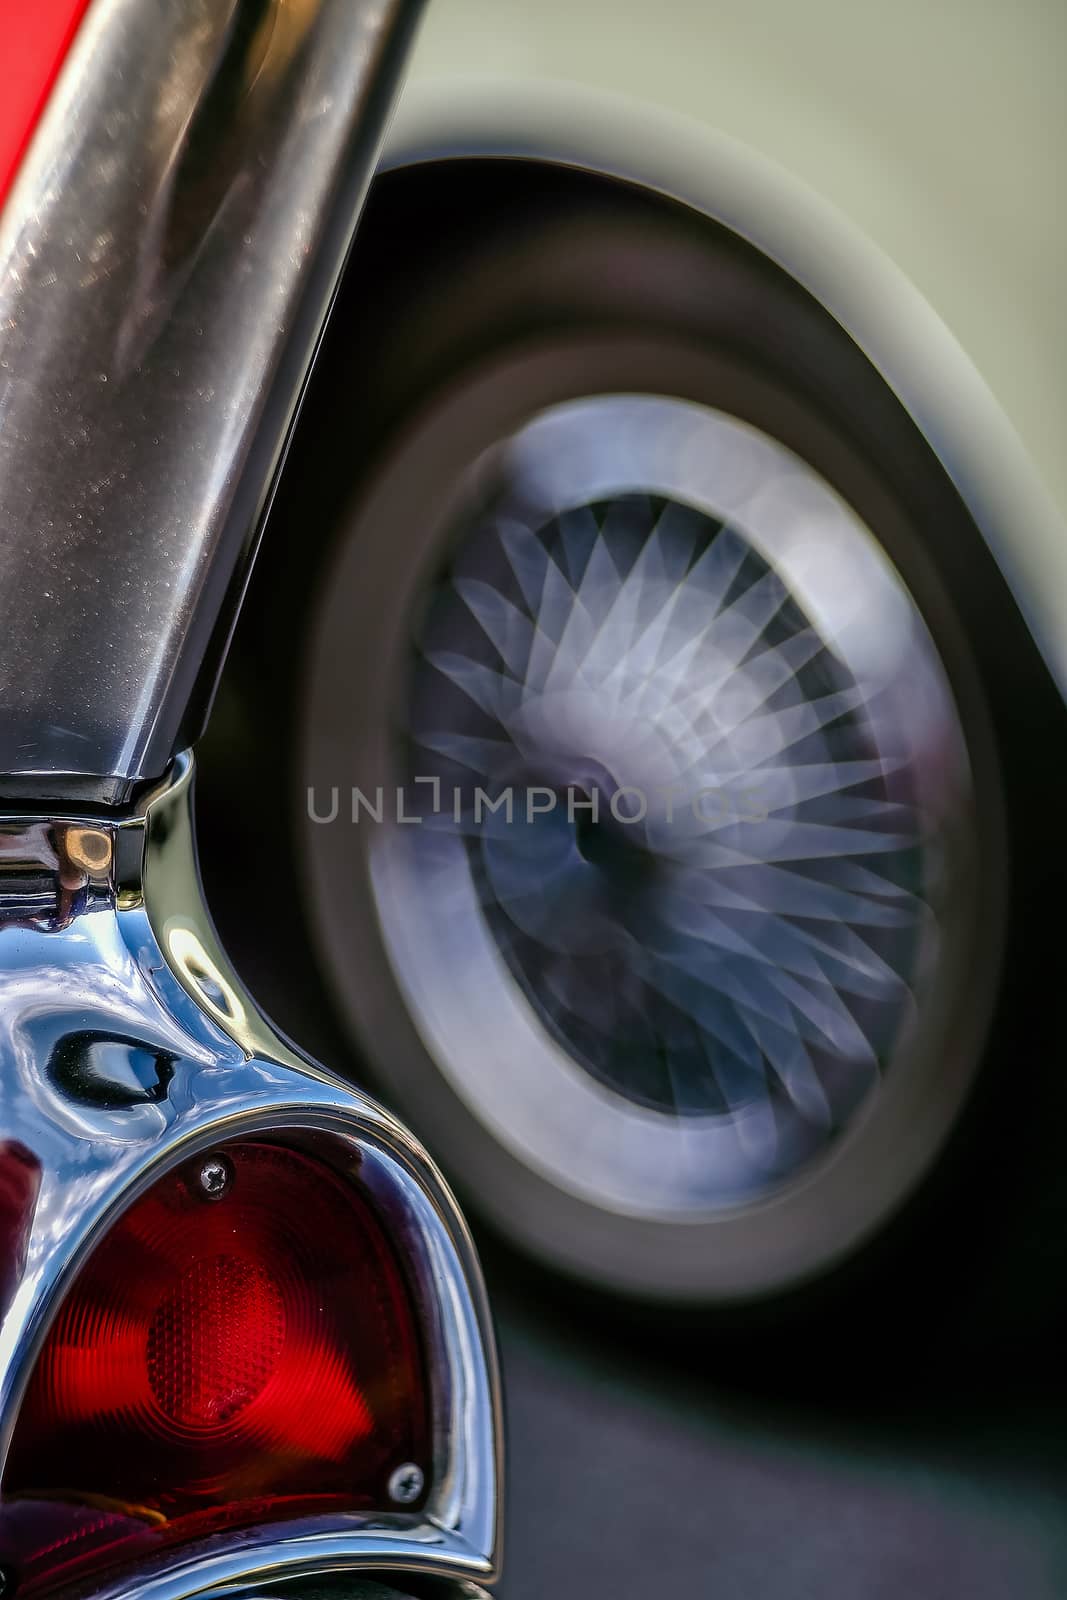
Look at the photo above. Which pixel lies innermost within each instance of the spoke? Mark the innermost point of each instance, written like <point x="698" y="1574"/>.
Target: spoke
<point x="504" y="625"/>
<point x="486" y="757"/>
<point x="496" y="695"/>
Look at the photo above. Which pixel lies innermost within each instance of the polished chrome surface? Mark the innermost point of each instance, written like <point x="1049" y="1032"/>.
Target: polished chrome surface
<point x="359" y="1589"/>
<point x="167" y="258"/>
<point x="713" y="901"/>
<point x="126" y="1045"/>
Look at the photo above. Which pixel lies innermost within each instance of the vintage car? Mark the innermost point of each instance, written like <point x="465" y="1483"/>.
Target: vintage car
<point x="635" y="747"/>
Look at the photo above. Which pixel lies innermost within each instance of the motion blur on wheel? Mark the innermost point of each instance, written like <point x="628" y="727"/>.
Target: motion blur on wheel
<point x="668" y="752"/>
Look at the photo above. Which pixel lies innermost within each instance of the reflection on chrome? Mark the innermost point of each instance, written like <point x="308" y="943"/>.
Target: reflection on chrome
<point x="690" y="973"/>
<point x="127" y="1045"/>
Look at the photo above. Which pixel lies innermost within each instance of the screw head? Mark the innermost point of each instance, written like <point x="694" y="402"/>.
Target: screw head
<point x="405" y="1483"/>
<point x="214" y="1177"/>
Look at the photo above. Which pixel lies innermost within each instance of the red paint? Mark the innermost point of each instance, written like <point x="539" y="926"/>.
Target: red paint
<point x="34" y="38"/>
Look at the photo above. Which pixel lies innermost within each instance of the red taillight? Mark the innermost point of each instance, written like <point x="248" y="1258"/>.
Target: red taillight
<point x="239" y="1348"/>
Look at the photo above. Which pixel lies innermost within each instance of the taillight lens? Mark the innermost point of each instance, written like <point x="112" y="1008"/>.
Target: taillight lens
<point x="239" y="1348"/>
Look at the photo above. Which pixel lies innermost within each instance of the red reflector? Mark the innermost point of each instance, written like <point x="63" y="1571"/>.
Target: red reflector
<point x="239" y="1348"/>
<point x="215" y="1343"/>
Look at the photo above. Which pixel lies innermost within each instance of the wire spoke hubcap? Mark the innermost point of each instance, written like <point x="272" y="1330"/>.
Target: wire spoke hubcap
<point x="696" y="772"/>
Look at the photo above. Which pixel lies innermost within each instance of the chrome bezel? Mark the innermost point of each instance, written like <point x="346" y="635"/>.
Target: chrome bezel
<point x="94" y="1162"/>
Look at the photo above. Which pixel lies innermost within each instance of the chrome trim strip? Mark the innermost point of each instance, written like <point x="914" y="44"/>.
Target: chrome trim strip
<point x="168" y="255"/>
<point x="356" y="1589"/>
<point x="103" y="930"/>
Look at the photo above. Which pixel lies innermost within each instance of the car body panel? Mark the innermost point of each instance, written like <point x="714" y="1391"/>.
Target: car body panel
<point x="902" y="164"/>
